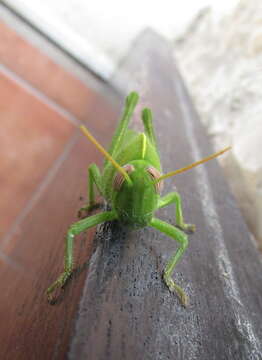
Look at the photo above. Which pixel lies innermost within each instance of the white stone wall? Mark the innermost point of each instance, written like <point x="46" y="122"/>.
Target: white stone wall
<point x="109" y="26"/>
<point x="222" y="64"/>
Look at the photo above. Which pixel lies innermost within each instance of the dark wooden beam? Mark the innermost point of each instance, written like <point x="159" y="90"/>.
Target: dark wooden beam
<point x="126" y="311"/>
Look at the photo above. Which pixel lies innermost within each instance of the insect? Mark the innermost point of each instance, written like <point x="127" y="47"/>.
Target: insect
<point x="131" y="183"/>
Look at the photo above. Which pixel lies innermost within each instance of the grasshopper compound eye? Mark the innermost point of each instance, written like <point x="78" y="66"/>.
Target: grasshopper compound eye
<point x="155" y="174"/>
<point x="119" y="178"/>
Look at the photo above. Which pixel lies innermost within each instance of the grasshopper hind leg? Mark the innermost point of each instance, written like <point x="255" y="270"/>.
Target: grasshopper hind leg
<point x="120" y="132"/>
<point x="148" y="126"/>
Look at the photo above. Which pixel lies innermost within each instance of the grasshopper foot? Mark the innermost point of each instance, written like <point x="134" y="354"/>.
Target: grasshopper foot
<point x="189" y="228"/>
<point x="173" y="287"/>
<point x="59" y="283"/>
<point x="86" y="210"/>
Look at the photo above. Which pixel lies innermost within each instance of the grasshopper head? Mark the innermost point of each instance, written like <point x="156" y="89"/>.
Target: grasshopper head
<point x="136" y="202"/>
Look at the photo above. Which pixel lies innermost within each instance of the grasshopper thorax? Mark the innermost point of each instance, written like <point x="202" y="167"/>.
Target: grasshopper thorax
<point x="135" y="203"/>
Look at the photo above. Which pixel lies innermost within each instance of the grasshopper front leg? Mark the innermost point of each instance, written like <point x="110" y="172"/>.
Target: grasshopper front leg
<point x="180" y="237"/>
<point x="94" y="178"/>
<point x="74" y="230"/>
<point x="171" y="198"/>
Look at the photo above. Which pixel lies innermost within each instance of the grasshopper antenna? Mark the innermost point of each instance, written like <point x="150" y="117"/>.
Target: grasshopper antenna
<point x="188" y="167"/>
<point x="105" y="153"/>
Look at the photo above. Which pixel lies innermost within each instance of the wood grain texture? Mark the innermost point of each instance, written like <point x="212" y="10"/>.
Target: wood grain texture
<point x="126" y="311"/>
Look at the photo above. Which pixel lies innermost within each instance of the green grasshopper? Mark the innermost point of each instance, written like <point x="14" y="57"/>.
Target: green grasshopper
<point x="131" y="183"/>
